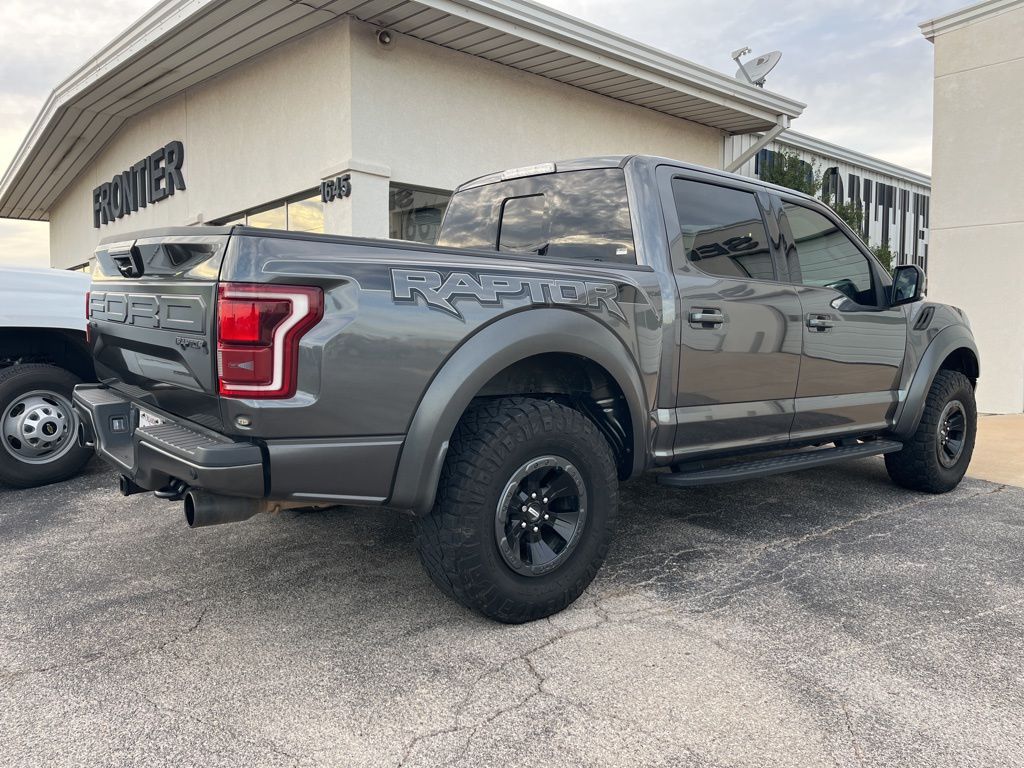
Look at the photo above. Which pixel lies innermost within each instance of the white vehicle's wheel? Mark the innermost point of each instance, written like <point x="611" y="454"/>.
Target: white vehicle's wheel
<point x="38" y="428"/>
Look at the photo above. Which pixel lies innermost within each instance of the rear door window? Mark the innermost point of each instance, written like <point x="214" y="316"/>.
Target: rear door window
<point x="723" y="232"/>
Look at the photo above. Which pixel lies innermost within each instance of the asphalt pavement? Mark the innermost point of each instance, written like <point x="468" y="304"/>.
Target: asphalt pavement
<point x="821" y="618"/>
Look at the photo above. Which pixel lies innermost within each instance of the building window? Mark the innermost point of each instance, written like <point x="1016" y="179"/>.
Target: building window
<point x="415" y="214"/>
<point x="301" y="213"/>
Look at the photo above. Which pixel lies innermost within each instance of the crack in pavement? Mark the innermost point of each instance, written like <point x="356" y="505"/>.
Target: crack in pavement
<point x="858" y="753"/>
<point x="91" y="658"/>
<point x="259" y="743"/>
<point x="525" y="657"/>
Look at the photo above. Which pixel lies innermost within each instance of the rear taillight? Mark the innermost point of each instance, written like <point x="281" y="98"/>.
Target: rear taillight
<point x="258" y="332"/>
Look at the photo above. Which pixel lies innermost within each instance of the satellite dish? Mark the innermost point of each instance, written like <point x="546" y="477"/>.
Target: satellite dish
<point x="756" y="70"/>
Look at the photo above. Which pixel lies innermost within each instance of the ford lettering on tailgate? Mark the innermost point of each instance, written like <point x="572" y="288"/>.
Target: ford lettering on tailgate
<point x="147" y="310"/>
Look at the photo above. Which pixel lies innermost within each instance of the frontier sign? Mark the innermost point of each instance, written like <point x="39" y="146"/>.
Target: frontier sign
<point x="152" y="179"/>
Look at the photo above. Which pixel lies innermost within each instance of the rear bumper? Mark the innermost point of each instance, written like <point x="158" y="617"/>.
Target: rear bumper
<point x="154" y="455"/>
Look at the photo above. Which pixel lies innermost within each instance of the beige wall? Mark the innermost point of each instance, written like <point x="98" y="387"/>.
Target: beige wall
<point x="977" y="202"/>
<point x="335" y="101"/>
<point x="264" y="130"/>
<point x="438" y="117"/>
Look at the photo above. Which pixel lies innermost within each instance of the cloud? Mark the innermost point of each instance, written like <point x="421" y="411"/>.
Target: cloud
<point x="41" y="43"/>
<point x="863" y="69"/>
<point x="24" y="244"/>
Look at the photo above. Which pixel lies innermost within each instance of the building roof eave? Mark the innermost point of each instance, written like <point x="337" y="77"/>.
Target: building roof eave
<point x="149" y="62"/>
<point x="965" y="17"/>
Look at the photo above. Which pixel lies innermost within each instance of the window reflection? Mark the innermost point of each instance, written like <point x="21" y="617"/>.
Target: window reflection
<point x="576" y="215"/>
<point x="301" y="213"/>
<point x="306" y="215"/>
<point x="722" y="230"/>
<point x="524" y="224"/>
<point x="415" y="214"/>
<point x="275" y="218"/>
<point x="825" y="257"/>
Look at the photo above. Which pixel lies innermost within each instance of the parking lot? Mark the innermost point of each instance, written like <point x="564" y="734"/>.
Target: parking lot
<point x="823" y="618"/>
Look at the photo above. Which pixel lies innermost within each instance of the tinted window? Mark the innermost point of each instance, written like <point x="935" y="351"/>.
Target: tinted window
<point x="825" y="257"/>
<point x="577" y="215"/>
<point x="722" y="230"/>
<point x="524" y="224"/>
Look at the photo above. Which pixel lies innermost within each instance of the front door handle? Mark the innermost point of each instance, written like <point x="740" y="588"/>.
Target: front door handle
<point x="820" y="323"/>
<point x="706" y="318"/>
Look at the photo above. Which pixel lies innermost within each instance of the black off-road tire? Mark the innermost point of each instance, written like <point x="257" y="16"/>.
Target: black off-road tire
<point x="17" y="381"/>
<point x="457" y="542"/>
<point x="917" y="466"/>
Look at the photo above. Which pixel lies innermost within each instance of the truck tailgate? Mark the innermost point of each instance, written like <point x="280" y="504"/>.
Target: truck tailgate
<point x="151" y="319"/>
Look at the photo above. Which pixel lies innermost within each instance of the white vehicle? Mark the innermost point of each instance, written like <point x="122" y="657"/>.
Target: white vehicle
<point x="43" y="355"/>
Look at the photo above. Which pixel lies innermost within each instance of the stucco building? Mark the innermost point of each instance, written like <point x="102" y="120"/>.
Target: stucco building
<point x="977" y="205"/>
<point x="230" y="110"/>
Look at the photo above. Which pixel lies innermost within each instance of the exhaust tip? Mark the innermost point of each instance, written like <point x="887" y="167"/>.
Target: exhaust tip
<point x="84" y="441"/>
<point x="203" y="509"/>
<point x="128" y="487"/>
<point x="190" y="509"/>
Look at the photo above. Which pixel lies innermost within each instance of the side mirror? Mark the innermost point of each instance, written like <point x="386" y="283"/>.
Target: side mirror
<point x="908" y="285"/>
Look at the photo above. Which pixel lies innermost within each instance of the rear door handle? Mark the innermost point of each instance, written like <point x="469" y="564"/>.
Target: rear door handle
<point x="706" y="318"/>
<point x="820" y="323"/>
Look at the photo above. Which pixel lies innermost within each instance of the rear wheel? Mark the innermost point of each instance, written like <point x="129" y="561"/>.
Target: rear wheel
<point x="38" y="428"/>
<point x="524" y="512"/>
<point x="936" y="457"/>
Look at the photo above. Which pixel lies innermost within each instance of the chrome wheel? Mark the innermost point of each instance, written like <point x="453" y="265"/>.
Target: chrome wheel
<point x="540" y="515"/>
<point x="38" y="427"/>
<point x="952" y="433"/>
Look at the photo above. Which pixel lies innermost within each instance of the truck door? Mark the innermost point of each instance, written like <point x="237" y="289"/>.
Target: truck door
<point x="854" y="343"/>
<point x="739" y="323"/>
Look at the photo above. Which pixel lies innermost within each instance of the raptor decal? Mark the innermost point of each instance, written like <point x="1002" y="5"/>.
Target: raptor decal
<point x="490" y="290"/>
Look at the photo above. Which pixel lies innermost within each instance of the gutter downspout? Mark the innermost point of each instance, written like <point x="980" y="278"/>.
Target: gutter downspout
<point x="781" y="124"/>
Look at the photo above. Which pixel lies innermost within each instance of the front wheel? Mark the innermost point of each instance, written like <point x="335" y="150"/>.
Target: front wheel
<point x="935" y="458"/>
<point x="525" y="509"/>
<point x="38" y="428"/>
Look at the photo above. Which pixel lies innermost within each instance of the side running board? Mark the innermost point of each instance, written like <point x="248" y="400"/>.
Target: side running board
<point x="754" y="468"/>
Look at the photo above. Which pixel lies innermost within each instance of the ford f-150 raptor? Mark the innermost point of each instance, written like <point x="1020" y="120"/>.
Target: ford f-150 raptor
<point x="574" y="326"/>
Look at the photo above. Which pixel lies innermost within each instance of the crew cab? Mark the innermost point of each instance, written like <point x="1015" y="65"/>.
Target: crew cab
<point x="574" y="326"/>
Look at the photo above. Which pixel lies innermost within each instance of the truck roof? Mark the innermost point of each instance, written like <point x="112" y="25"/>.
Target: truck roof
<point x="612" y="161"/>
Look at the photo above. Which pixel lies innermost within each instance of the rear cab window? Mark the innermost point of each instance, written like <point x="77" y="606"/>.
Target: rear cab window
<point x="571" y="215"/>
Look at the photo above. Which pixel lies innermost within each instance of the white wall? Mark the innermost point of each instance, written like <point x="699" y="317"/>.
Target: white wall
<point x="261" y="131"/>
<point x="438" y="117"/>
<point x="334" y="101"/>
<point x="977" y="202"/>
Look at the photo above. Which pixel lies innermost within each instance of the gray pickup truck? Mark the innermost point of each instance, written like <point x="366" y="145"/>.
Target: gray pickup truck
<point x="575" y="325"/>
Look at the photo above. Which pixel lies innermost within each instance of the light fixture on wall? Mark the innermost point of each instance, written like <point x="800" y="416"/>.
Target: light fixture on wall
<point x="385" y="38"/>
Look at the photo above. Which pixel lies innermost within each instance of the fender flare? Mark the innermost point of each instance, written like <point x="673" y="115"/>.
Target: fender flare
<point x="477" y="361"/>
<point x="946" y="341"/>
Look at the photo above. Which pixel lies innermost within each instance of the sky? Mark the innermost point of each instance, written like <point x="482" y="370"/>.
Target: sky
<point x="861" y="66"/>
